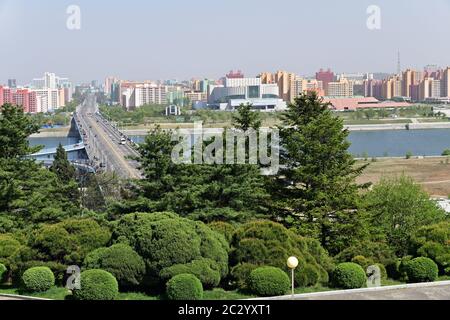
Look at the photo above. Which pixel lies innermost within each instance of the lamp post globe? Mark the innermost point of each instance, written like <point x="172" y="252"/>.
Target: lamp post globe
<point x="292" y="262"/>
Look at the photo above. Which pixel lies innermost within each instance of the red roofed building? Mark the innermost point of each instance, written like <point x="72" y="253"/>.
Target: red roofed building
<point x="352" y="104"/>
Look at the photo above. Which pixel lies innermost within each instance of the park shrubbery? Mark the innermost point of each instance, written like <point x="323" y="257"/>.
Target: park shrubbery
<point x="434" y="242"/>
<point x="38" y="279"/>
<point x="348" y="275"/>
<point x="206" y="270"/>
<point x="70" y="241"/>
<point x="421" y="269"/>
<point x="164" y="240"/>
<point x="121" y="261"/>
<point x="265" y="243"/>
<point x="97" y="285"/>
<point x="184" y="287"/>
<point x="3" y="271"/>
<point x="269" y="281"/>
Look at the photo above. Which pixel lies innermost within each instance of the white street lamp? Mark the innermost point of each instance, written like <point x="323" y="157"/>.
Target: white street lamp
<point x="292" y="263"/>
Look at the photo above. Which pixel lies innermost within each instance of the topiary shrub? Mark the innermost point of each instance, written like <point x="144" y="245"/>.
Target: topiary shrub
<point x="348" y="275"/>
<point x="97" y="285"/>
<point x="38" y="279"/>
<point x="164" y="240"/>
<point x="269" y="281"/>
<point x="367" y="252"/>
<point x="206" y="270"/>
<point x="121" y="261"/>
<point x="240" y="275"/>
<point x="8" y="246"/>
<point x="184" y="287"/>
<point x="70" y="241"/>
<point x="224" y="228"/>
<point x="433" y="241"/>
<point x="307" y="276"/>
<point x="265" y="243"/>
<point x="3" y="271"/>
<point x="421" y="269"/>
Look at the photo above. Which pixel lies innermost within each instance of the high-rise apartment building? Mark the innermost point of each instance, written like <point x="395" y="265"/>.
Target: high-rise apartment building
<point x="326" y="77"/>
<point x="445" y="83"/>
<point x="341" y="88"/>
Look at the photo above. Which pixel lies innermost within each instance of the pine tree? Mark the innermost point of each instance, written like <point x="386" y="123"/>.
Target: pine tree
<point x="246" y="118"/>
<point x="62" y="167"/>
<point x="15" y="128"/>
<point x="315" y="189"/>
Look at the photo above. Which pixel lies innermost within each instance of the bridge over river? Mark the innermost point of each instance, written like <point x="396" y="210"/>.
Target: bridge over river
<point x="102" y="146"/>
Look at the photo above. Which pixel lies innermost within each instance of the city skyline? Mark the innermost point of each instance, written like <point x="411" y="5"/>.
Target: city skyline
<point x="184" y="40"/>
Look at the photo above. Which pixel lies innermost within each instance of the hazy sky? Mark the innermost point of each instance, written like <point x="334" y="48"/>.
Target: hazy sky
<point x="180" y="39"/>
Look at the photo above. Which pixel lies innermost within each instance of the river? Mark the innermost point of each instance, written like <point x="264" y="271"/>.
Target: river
<point x="383" y="143"/>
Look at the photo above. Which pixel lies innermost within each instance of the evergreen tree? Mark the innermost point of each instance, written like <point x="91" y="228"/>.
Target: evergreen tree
<point x="315" y="189"/>
<point x="15" y="128"/>
<point x="62" y="167"/>
<point x="208" y="192"/>
<point x="246" y="118"/>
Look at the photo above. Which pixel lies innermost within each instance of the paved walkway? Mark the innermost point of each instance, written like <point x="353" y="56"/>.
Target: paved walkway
<point x="422" y="291"/>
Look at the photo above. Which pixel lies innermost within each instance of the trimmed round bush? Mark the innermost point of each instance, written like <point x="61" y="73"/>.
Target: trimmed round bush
<point x="97" y="284"/>
<point x="421" y="270"/>
<point x="240" y="275"/>
<point x="164" y="240"/>
<point x="70" y="241"/>
<point x="306" y="276"/>
<point x="224" y="228"/>
<point x="266" y="243"/>
<point x="8" y="245"/>
<point x="349" y="275"/>
<point x="269" y="281"/>
<point x="206" y="270"/>
<point x="3" y="270"/>
<point x="184" y="287"/>
<point x="38" y="279"/>
<point x="121" y="261"/>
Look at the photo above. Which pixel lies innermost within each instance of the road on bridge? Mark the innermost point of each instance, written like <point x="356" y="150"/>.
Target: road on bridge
<point x="104" y="142"/>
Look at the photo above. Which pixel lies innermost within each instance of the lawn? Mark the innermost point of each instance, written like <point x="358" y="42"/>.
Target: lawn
<point x="57" y="293"/>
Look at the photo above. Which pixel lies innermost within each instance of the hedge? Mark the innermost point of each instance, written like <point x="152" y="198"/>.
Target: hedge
<point x="121" y="261"/>
<point x="3" y="271"/>
<point x="38" y="279"/>
<point x="349" y="275"/>
<point x="269" y="281"/>
<point x="266" y="243"/>
<point x="164" y="240"/>
<point x="206" y="270"/>
<point x="421" y="269"/>
<point x="308" y="276"/>
<point x="97" y="285"/>
<point x="184" y="287"/>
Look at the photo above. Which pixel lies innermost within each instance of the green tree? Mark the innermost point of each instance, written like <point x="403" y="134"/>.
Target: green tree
<point x="62" y="166"/>
<point x="396" y="208"/>
<point x="15" y="128"/>
<point x="246" y="118"/>
<point x="206" y="192"/>
<point x="315" y="190"/>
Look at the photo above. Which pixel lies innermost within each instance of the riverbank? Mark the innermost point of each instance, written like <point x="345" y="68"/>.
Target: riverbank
<point x="52" y="133"/>
<point x="433" y="173"/>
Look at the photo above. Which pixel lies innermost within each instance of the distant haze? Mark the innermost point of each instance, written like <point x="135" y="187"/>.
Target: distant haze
<point x="180" y="39"/>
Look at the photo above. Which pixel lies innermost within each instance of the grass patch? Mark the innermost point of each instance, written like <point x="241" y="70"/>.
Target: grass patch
<point x="220" y="294"/>
<point x="55" y="293"/>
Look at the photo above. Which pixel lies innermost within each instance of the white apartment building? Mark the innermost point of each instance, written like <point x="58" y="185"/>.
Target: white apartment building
<point x="47" y="99"/>
<point x="138" y="94"/>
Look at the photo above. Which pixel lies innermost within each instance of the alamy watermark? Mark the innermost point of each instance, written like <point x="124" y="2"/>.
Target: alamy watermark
<point x="374" y="20"/>
<point x="74" y="19"/>
<point x="233" y="147"/>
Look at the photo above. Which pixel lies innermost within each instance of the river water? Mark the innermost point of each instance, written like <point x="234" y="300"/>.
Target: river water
<point x="383" y="143"/>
